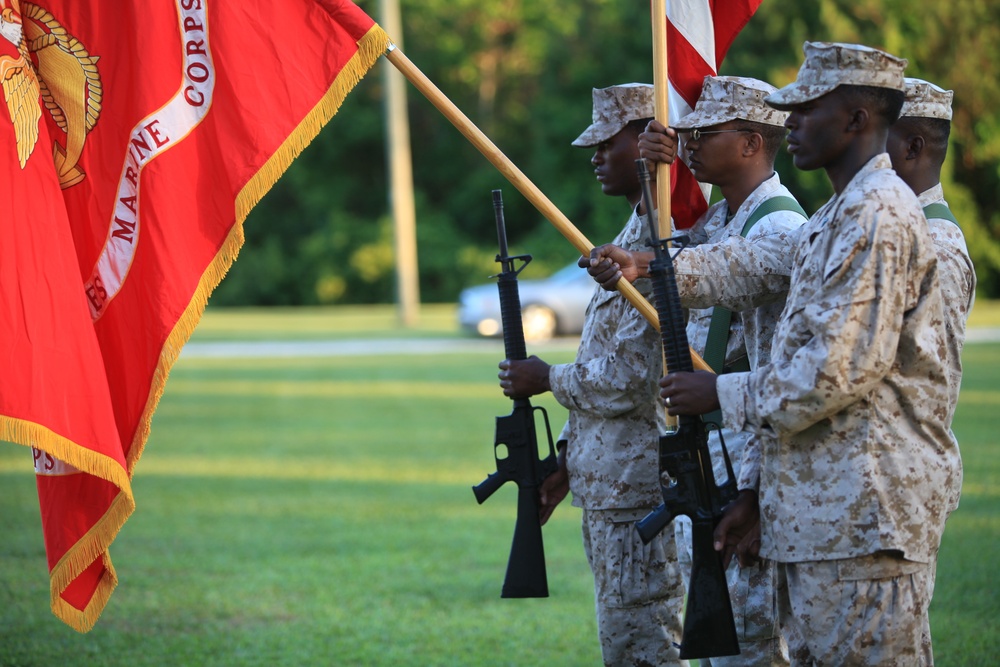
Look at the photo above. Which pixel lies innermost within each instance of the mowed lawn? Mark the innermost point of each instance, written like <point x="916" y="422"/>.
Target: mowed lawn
<point x="318" y="511"/>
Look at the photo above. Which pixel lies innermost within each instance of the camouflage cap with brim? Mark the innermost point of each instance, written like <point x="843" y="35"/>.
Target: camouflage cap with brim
<point x="925" y="100"/>
<point x="831" y="64"/>
<point x="614" y="108"/>
<point x="726" y="98"/>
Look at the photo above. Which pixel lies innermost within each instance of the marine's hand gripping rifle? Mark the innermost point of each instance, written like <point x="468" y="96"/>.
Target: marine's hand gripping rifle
<point x="687" y="481"/>
<point x="516" y="437"/>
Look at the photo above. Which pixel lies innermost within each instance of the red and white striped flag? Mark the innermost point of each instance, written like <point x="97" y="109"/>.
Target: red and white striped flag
<point x="699" y="34"/>
<point x="139" y="134"/>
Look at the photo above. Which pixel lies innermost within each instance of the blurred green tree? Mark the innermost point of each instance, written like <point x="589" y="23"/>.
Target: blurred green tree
<point x="523" y="71"/>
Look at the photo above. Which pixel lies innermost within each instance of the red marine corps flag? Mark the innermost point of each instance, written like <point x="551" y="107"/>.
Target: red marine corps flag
<point x="699" y="34"/>
<point x="139" y="135"/>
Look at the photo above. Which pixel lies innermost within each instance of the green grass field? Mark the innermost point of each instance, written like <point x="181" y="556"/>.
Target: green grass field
<point x="318" y="511"/>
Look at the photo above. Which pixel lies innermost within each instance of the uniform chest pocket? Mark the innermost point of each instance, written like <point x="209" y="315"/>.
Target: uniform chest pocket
<point x="829" y="257"/>
<point x="815" y="310"/>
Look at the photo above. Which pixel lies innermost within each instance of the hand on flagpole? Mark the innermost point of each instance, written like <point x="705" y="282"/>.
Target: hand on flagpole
<point x="658" y="143"/>
<point x="609" y="263"/>
<point x="661" y="107"/>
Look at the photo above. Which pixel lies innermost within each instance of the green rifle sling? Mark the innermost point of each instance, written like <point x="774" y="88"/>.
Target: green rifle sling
<point x="938" y="210"/>
<point x="718" y="328"/>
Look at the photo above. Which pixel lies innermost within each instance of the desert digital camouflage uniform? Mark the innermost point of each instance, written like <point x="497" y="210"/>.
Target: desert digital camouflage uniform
<point x="855" y="460"/>
<point x="700" y="270"/>
<point x="612" y="437"/>
<point x="927" y="114"/>
<point x="751" y="589"/>
<point x="763" y="272"/>
<point x="957" y="278"/>
<point x="704" y="276"/>
<point x="956" y="274"/>
<point x="716" y="235"/>
<point x="856" y="463"/>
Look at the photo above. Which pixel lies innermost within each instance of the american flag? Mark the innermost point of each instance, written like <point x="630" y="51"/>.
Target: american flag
<point x="699" y="33"/>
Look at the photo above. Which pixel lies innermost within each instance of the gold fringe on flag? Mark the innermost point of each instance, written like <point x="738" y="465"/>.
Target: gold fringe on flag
<point x="99" y="538"/>
<point x="93" y="545"/>
<point x="96" y="542"/>
<point x="30" y="434"/>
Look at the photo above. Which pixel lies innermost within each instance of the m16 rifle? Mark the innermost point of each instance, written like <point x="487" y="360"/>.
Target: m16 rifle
<point x="687" y="481"/>
<point x="515" y="445"/>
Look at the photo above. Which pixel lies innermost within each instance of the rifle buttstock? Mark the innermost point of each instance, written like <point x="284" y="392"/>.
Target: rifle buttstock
<point x="709" y="628"/>
<point x="526" y="577"/>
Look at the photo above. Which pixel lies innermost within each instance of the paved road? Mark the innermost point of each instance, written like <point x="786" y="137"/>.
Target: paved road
<point x="982" y="335"/>
<point x="339" y="348"/>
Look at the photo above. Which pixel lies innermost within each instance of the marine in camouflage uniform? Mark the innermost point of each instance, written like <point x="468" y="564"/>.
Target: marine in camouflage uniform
<point x="609" y="446"/>
<point x="728" y="103"/>
<point x="742" y="165"/>
<point x="612" y="437"/>
<point x="855" y="461"/>
<point x="917" y="146"/>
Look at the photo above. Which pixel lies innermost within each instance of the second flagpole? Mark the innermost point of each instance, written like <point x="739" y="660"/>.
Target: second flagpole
<point x="518" y="179"/>
<point x="661" y="108"/>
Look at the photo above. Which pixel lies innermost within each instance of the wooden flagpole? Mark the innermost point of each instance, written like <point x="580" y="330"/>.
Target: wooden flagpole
<point x="661" y="109"/>
<point x="661" y="106"/>
<point x="518" y="179"/>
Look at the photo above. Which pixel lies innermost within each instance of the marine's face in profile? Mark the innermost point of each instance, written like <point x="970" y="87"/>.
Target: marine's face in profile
<point x="614" y="164"/>
<point x="713" y="151"/>
<point x="818" y="131"/>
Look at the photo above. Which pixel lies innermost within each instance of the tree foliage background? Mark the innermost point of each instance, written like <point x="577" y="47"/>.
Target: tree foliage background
<point x="523" y="71"/>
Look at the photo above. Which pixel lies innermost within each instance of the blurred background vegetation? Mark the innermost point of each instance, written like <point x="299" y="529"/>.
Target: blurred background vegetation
<point x="523" y="71"/>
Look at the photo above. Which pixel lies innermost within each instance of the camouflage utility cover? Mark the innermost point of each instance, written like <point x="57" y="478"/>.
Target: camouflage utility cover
<point x="725" y="98"/>
<point x="831" y="64"/>
<point x="925" y="100"/>
<point x="614" y="108"/>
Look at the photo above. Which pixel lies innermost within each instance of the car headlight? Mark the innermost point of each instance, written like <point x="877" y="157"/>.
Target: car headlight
<point x="488" y="327"/>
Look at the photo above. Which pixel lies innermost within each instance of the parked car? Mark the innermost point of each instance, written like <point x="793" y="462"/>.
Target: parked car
<point x="553" y="306"/>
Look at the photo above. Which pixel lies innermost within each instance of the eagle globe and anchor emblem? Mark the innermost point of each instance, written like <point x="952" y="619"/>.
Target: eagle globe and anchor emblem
<point x="42" y="58"/>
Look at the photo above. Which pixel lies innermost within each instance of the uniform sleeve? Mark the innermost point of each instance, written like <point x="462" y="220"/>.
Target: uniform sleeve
<point x="733" y="392"/>
<point x="957" y="276"/>
<point x="739" y="273"/>
<point x="621" y="378"/>
<point x="563" y="435"/>
<point x="845" y="331"/>
<point x="749" y="477"/>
